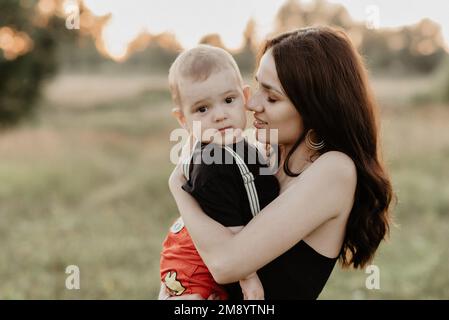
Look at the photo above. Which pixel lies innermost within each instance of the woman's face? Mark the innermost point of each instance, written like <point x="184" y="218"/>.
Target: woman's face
<point x="272" y="108"/>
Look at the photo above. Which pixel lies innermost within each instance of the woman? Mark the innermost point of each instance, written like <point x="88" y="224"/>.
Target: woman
<point x="335" y="193"/>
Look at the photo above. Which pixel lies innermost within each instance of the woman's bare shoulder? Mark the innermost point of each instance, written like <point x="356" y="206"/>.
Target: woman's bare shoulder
<point x="339" y="173"/>
<point x="339" y="163"/>
<point x="332" y="169"/>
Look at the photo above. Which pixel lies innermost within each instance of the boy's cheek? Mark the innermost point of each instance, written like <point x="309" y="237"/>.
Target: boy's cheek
<point x="243" y="119"/>
<point x="196" y="128"/>
<point x="189" y="119"/>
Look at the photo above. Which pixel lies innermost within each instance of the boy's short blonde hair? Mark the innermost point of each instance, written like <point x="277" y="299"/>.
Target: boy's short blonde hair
<point x="197" y="64"/>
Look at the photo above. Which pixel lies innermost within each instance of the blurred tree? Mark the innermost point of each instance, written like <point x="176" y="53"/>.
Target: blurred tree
<point x="417" y="48"/>
<point x="77" y="50"/>
<point x="290" y="16"/>
<point x="26" y="57"/>
<point x="444" y="90"/>
<point x="152" y="53"/>
<point x="249" y="34"/>
<point x="374" y="47"/>
<point x="212" y="39"/>
<point x="295" y="14"/>
<point x="426" y="46"/>
<point x="412" y="49"/>
<point x="245" y="57"/>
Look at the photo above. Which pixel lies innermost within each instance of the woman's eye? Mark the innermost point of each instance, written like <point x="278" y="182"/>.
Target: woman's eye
<point x="270" y="100"/>
<point x="202" y="109"/>
<point x="229" y="99"/>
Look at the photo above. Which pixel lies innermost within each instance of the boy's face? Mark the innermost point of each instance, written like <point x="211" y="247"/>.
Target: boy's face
<point x="218" y="103"/>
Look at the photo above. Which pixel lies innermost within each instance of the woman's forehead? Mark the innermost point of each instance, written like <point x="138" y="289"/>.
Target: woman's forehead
<point x="266" y="73"/>
<point x="267" y="68"/>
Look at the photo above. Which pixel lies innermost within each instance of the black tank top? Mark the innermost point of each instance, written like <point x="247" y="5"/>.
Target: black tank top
<point x="299" y="273"/>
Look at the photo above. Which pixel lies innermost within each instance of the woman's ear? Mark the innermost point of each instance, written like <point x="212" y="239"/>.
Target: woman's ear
<point x="179" y="115"/>
<point x="246" y="93"/>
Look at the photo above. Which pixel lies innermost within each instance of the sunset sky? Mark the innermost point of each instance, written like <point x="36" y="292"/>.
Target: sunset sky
<point x="189" y="20"/>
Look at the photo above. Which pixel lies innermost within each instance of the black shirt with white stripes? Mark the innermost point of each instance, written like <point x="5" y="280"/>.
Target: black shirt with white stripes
<point x="216" y="182"/>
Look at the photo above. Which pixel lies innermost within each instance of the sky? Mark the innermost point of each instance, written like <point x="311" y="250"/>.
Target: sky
<point x="189" y="20"/>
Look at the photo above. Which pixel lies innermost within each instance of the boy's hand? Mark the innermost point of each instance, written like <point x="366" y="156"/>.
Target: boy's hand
<point x="252" y="288"/>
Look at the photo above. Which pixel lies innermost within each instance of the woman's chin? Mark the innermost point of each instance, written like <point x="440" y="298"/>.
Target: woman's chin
<point x="262" y="135"/>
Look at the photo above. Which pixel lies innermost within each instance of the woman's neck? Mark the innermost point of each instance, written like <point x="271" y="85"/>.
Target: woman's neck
<point x="299" y="161"/>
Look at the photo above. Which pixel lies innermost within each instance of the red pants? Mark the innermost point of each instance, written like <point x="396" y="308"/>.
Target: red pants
<point x="182" y="269"/>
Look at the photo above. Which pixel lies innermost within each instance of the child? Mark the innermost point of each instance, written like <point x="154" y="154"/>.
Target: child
<point x="207" y="87"/>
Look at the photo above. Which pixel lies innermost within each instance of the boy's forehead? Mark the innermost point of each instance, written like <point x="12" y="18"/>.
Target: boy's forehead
<point x="216" y="84"/>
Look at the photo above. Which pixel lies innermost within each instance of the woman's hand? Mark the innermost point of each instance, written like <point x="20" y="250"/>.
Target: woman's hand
<point x="177" y="178"/>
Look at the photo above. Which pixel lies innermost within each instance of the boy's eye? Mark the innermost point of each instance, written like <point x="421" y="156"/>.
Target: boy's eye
<point x="229" y="99"/>
<point x="202" y="109"/>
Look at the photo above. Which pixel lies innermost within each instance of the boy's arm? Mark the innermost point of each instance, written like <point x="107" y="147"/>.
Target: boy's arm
<point x="251" y="286"/>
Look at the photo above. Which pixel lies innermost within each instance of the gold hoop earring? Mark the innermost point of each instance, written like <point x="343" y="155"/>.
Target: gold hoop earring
<point x="313" y="145"/>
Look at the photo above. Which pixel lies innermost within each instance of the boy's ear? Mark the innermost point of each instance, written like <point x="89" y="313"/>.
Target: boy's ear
<point x="246" y="92"/>
<point x="179" y="115"/>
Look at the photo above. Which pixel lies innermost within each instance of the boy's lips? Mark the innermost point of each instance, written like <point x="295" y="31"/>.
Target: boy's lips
<point x="225" y="128"/>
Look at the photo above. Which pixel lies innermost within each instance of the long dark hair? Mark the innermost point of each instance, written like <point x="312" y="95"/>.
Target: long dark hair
<point x="325" y="79"/>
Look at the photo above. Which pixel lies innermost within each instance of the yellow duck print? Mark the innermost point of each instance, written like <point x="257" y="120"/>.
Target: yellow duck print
<point x="174" y="286"/>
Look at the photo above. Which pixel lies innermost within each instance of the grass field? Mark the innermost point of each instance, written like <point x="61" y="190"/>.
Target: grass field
<point x="85" y="183"/>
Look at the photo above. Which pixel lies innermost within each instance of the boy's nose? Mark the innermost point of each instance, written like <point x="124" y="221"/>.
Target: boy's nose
<point x="219" y="114"/>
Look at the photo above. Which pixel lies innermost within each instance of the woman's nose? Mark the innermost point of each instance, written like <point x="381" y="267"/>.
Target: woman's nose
<point x="254" y="104"/>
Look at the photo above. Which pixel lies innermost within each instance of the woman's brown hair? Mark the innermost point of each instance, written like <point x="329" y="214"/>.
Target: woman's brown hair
<point x="325" y="79"/>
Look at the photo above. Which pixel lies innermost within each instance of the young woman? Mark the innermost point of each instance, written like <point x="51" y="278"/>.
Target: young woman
<point x="335" y="193"/>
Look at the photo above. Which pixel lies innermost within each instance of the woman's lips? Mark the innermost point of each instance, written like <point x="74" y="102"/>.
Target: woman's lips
<point x="259" y="123"/>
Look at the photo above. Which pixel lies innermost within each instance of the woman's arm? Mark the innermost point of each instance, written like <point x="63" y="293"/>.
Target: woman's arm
<point x="323" y="192"/>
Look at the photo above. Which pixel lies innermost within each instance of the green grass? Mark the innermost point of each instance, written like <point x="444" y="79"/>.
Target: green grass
<point x="88" y="186"/>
